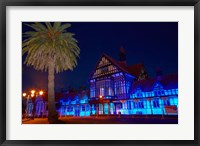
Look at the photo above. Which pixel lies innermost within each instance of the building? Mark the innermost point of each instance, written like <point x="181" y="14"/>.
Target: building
<point x="116" y="88"/>
<point x="75" y="104"/>
<point x="37" y="105"/>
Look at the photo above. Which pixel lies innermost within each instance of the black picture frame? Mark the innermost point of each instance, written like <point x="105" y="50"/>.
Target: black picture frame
<point x="5" y="3"/>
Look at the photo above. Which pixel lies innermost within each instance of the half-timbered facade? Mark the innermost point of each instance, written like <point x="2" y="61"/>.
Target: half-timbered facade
<point x="111" y="82"/>
<point x="116" y="88"/>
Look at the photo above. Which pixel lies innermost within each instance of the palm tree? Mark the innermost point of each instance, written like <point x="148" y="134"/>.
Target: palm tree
<point x="50" y="47"/>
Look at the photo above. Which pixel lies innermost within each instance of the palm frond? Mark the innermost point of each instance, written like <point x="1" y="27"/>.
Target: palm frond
<point x="48" y="42"/>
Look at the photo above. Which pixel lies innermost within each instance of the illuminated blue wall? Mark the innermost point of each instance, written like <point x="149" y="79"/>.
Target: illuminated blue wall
<point x="40" y="107"/>
<point x="159" y="97"/>
<point x="75" y="106"/>
<point x="141" y="102"/>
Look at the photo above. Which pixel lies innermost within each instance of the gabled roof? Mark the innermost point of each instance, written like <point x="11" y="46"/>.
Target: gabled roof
<point x="133" y="70"/>
<point x="168" y="82"/>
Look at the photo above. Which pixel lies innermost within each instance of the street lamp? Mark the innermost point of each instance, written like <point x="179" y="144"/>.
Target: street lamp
<point x="32" y="91"/>
<point x="24" y="94"/>
<point x="41" y="92"/>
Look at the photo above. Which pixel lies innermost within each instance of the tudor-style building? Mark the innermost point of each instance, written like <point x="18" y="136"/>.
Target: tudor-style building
<point x="116" y="88"/>
<point x="111" y="82"/>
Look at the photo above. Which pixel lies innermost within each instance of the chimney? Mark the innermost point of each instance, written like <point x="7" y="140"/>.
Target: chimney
<point x="122" y="55"/>
<point x="158" y="74"/>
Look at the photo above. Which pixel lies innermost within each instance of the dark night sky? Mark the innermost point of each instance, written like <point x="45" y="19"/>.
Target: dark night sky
<point x="153" y="43"/>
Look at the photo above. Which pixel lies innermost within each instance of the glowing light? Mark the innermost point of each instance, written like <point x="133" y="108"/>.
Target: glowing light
<point x="100" y="96"/>
<point x="24" y="94"/>
<point x="32" y="95"/>
<point x="41" y="92"/>
<point x="32" y="91"/>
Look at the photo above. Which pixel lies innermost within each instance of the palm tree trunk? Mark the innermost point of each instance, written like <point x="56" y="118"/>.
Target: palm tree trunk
<point x="52" y="114"/>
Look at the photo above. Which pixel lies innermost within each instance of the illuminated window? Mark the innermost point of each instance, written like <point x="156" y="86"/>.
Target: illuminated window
<point x="135" y="105"/>
<point x="70" y="108"/>
<point x="156" y="104"/>
<point x="176" y="91"/>
<point x="92" y="92"/>
<point x="173" y="91"/>
<point x="102" y="91"/>
<point x="169" y="92"/>
<point x="129" y="104"/>
<point x="167" y="102"/>
<point x="83" y="107"/>
<point x="110" y="91"/>
<point x="87" y="107"/>
<point x="141" y="104"/>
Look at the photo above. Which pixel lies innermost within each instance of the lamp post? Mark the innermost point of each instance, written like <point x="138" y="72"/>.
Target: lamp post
<point x="43" y="109"/>
<point x="32" y="95"/>
<point x="24" y="104"/>
<point x="27" y="110"/>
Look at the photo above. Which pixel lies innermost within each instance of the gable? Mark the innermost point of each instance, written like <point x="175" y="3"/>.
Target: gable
<point x="103" y="62"/>
<point x="157" y="86"/>
<point x="104" y="67"/>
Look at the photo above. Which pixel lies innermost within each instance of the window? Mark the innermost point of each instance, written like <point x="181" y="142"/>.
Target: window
<point x="156" y="104"/>
<point x="83" y="107"/>
<point x="173" y="91"/>
<point x="176" y="91"/>
<point x="87" y="107"/>
<point x="141" y="104"/>
<point x="92" y="92"/>
<point x="135" y="105"/>
<point x="110" y="91"/>
<point x="169" y="92"/>
<point x="119" y="85"/>
<point x="70" y="108"/>
<point x="166" y="92"/>
<point x="155" y="92"/>
<point x="158" y="93"/>
<point x="167" y="102"/>
<point x="102" y="91"/>
<point x="129" y="104"/>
